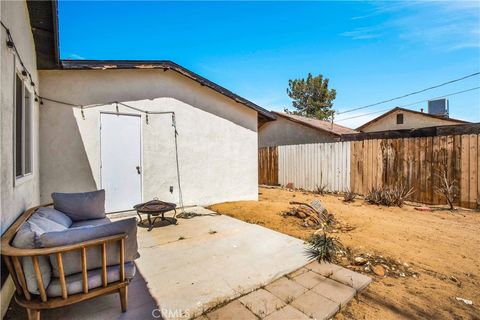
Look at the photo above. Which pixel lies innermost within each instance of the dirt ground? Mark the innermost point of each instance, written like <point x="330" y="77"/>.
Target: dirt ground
<point x="443" y="248"/>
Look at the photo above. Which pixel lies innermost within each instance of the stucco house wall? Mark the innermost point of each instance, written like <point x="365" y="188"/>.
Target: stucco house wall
<point x="15" y="195"/>
<point x="411" y="120"/>
<point x="217" y="136"/>
<point x="286" y="132"/>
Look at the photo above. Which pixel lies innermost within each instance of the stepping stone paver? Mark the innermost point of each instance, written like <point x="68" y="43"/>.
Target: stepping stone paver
<point x="297" y="272"/>
<point x="232" y="311"/>
<point x="325" y="269"/>
<point x="350" y="278"/>
<point x="315" y="305"/>
<point x="287" y="313"/>
<point x="286" y="289"/>
<point x="261" y="302"/>
<point x="309" y="279"/>
<point x="335" y="291"/>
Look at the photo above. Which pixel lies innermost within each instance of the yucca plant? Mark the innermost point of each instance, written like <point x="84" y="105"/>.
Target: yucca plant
<point x="321" y="189"/>
<point x="323" y="248"/>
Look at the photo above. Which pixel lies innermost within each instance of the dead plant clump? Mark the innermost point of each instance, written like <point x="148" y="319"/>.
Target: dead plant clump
<point x="349" y="196"/>
<point x="447" y="189"/>
<point x="386" y="196"/>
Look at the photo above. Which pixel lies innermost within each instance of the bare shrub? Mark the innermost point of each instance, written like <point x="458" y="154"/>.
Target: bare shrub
<point x="447" y="189"/>
<point x="349" y="196"/>
<point x="321" y="190"/>
<point x="385" y="196"/>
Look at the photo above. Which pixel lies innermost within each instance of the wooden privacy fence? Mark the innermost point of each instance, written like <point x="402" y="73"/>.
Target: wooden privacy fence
<point x="362" y="165"/>
<point x="268" y="166"/>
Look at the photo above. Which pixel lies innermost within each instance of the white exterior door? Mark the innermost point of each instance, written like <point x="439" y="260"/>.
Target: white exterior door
<point x="121" y="161"/>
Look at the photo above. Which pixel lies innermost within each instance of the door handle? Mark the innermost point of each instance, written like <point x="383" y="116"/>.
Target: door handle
<point x="138" y="170"/>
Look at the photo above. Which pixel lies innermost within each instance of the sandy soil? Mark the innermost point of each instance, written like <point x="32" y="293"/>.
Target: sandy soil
<point x="443" y="248"/>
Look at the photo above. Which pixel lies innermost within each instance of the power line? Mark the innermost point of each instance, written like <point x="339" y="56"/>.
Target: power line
<point x="412" y="93"/>
<point x="409" y="104"/>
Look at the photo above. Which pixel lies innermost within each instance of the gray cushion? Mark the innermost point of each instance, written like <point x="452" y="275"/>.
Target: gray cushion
<point x="26" y="238"/>
<point x="74" y="282"/>
<point x="81" y="206"/>
<point x="72" y="260"/>
<point x="55" y="215"/>
<point x="90" y="223"/>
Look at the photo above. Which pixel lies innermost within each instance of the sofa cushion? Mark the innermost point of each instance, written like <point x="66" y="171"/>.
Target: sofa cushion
<point x="90" y="223"/>
<point x="81" y="206"/>
<point x="72" y="260"/>
<point x="26" y="238"/>
<point x="74" y="281"/>
<point x="55" y="215"/>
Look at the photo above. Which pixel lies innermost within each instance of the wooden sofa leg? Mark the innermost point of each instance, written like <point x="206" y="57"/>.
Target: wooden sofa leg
<point x="33" y="314"/>
<point x="124" y="298"/>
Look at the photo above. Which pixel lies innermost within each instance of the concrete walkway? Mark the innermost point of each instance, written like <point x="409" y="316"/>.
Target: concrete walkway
<point x="186" y="270"/>
<point x="316" y="291"/>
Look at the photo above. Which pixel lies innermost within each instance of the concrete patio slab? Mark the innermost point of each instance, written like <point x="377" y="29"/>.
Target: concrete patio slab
<point x="315" y="305"/>
<point x="261" y="302"/>
<point x="286" y="289"/>
<point x="335" y="291"/>
<point x="185" y="271"/>
<point x="232" y="311"/>
<point x="287" y="313"/>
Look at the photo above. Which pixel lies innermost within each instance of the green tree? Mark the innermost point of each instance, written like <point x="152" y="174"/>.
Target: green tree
<point x="311" y="97"/>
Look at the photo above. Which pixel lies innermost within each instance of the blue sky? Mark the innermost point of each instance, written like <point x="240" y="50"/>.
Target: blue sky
<point x="370" y="51"/>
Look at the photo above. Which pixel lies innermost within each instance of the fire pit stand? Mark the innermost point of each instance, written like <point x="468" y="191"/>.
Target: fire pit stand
<point x="156" y="208"/>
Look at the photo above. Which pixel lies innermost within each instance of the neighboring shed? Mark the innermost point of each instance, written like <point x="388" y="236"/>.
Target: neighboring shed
<point x="400" y="118"/>
<point x="290" y="129"/>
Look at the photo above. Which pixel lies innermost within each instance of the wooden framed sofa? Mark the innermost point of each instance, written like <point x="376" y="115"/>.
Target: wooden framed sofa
<point x="96" y="259"/>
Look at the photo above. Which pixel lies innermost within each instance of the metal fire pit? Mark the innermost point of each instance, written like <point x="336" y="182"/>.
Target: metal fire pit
<point x="156" y="208"/>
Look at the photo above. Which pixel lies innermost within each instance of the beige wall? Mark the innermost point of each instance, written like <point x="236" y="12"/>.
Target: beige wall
<point x="15" y="196"/>
<point x="410" y="121"/>
<point x="217" y="136"/>
<point x="285" y="132"/>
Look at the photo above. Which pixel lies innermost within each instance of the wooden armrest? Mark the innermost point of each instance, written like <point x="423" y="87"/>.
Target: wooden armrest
<point x="20" y="252"/>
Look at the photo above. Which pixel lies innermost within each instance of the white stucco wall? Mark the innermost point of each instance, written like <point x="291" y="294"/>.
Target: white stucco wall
<point x="410" y="121"/>
<point x="217" y="136"/>
<point x="285" y="132"/>
<point x="16" y="196"/>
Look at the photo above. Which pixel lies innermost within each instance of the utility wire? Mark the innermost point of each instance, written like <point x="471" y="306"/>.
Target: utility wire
<point x="409" y="104"/>
<point x="411" y="93"/>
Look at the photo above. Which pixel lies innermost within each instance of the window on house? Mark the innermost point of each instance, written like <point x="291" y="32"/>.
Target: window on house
<point x="400" y="118"/>
<point x="23" y="129"/>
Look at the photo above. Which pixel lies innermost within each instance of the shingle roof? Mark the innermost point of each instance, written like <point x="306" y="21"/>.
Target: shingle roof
<point x="322" y="125"/>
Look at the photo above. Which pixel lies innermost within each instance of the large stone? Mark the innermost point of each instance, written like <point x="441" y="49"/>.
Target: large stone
<point x="316" y="306"/>
<point x="261" y="302"/>
<point x="335" y="291"/>
<point x="286" y="289"/>
<point x="232" y="311"/>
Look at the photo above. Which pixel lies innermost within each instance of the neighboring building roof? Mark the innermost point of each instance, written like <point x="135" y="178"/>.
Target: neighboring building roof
<point x="322" y="125"/>
<point x="410" y="111"/>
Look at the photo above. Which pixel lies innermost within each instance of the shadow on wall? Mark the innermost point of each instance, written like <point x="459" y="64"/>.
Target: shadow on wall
<point x="63" y="157"/>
